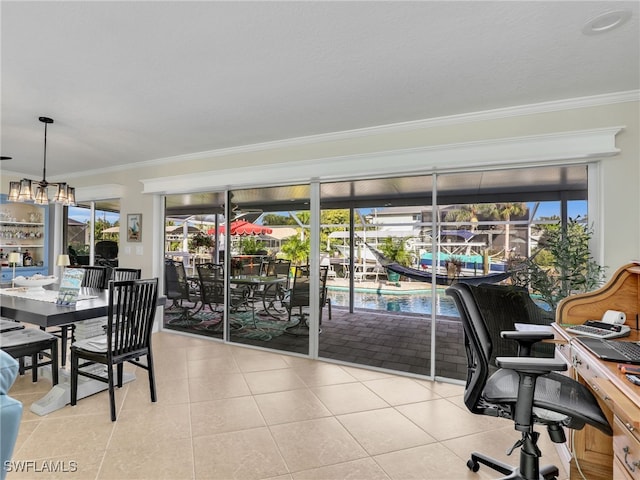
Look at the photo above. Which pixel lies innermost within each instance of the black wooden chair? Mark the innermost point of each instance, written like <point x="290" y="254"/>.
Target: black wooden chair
<point x="524" y="389"/>
<point x="131" y="312"/>
<point x="120" y="274"/>
<point x="95" y="277"/>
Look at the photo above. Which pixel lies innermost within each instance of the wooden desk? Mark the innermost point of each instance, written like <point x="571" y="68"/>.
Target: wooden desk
<point x="600" y="456"/>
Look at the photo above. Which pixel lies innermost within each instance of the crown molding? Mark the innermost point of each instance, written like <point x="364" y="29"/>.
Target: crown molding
<point x="499" y="113"/>
<point x="533" y="149"/>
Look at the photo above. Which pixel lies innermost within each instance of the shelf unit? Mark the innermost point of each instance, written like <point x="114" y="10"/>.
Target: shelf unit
<point x="24" y="226"/>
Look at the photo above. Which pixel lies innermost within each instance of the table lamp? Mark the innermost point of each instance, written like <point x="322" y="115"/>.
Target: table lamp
<point x="63" y="261"/>
<point x="14" y="258"/>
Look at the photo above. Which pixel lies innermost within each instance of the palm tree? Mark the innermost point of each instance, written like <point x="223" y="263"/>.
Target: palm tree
<point x="296" y="249"/>
<point x="505" y="211"/>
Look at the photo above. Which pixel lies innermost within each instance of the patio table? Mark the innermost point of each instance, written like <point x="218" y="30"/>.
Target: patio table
<point x="264" y="285"/>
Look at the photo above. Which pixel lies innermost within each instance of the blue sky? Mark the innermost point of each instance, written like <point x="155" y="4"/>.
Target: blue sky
<point x="83" y="214"/>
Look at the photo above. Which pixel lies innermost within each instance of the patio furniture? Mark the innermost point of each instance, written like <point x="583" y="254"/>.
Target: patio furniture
<point x="524" y="389"/>
<point x="274" y="293"/>
<point x="298" y="297"/>
<point x="10" y="411"/>
<point x="178" y="290"/>
<point x="132" y="309"/>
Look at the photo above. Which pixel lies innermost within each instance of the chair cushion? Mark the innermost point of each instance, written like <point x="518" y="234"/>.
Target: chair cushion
<point x="93" y="344"/>
<point x="8" y="371"/>
<point x="23" y="337"/>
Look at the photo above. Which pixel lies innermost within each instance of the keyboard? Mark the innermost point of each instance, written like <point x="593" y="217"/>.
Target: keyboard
<point x="591" y="330"/>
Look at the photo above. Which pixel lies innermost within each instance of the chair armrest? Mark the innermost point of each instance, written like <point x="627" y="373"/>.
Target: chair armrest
<point x="526" y="339"/>
<point x="532" y="365"/>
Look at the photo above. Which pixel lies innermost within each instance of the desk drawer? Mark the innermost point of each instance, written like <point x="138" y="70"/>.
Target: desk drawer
<point x="626" y="449"/>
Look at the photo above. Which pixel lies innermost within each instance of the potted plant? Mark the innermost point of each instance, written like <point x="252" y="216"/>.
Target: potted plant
<point x="454" y="266"/>
<point x="395" y="250"/>
<point x="200" y="240"/>
<point x="562" y="265"/>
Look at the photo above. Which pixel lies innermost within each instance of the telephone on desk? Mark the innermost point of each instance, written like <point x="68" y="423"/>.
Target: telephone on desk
<point x="611" y="326"/>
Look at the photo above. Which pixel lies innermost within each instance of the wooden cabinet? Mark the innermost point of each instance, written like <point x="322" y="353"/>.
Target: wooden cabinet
<point x="23" y="227"/>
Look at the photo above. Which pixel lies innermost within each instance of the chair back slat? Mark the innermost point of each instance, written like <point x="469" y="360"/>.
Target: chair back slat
<point x="94" y="277"/>
<point x="119" y="274"/>
<point x="132" y="308"/>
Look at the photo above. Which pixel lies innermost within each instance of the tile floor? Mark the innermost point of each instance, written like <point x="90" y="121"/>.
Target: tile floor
<point x="230" y="412"/>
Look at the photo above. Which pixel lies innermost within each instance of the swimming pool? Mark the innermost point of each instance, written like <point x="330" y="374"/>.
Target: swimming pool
<point x="418" y="302"/>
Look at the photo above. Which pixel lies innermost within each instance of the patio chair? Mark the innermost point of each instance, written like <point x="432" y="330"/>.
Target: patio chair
<point x="132" y="309"/>
<point x="177" y="289"/>
<point x="298" y="297"/>
<point x="212" y="293"/>
<point x="274" y="294"/>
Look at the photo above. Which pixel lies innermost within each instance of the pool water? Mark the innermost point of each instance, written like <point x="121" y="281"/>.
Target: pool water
<point x="408" y="303"/>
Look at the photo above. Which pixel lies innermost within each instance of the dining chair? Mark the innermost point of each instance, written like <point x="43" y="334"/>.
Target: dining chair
<point x="94" y="277"/>
<point x="131" y="312"/>
<point x="119" y="274"/>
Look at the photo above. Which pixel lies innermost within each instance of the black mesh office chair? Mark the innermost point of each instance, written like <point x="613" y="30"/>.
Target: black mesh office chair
<point x="524" y="389"/>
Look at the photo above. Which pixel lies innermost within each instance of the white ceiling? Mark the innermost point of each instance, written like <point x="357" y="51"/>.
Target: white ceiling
<point x="128" y="82"/>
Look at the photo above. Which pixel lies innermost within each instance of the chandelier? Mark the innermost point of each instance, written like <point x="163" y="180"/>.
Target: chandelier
<point x="27" y="190"/>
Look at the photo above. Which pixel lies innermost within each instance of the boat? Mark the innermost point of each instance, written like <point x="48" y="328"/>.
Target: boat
<point x="440" y="279"/>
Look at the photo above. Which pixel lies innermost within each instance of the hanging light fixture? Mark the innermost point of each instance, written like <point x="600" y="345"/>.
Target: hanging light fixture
<point x="27" y="190"/>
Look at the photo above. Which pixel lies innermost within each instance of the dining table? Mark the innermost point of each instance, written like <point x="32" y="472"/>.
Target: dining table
<point x="38" y="307"/>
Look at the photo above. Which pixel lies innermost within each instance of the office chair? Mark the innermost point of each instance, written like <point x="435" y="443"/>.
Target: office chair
<point x="524" y="389"/>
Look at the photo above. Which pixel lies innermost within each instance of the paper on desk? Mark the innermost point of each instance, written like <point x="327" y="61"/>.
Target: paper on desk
<point x="532" y="327"/>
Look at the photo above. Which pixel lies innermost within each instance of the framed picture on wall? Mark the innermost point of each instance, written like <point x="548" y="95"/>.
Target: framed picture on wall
<point x="134" y="227"/>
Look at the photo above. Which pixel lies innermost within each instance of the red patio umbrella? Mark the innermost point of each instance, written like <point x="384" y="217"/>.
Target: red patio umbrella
<point x="244" y="228"/>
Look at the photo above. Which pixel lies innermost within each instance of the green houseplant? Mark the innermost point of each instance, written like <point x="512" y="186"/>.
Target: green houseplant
<point x="395" y="250"/>
<point x="562" y="265"/>
<point x="200" y="240"/>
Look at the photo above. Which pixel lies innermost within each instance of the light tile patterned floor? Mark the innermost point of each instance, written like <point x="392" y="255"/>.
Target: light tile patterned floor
<point x="228" y="412"/>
